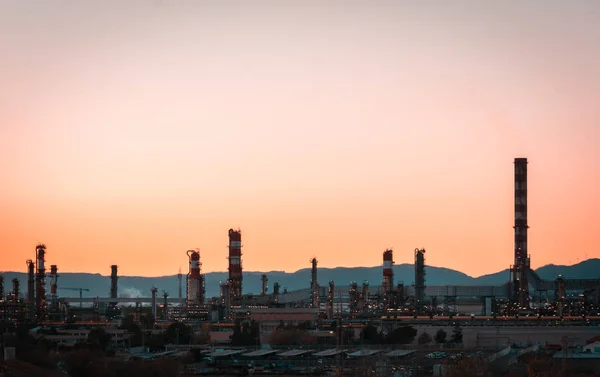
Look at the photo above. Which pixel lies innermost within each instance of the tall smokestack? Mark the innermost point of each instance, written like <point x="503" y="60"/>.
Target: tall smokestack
<point x="114" y="278"/>
<point x="40" y="282"/>
<point x="235" y="263"/>
<point x="521" y="263"/>
<point x="388" y="277"/>
<point x="314" y="284"/>
<point x="264" y="287"/>
<point x="53" y="284"/>
<point x="195" y="280"/>
<point x="1" y="287"/>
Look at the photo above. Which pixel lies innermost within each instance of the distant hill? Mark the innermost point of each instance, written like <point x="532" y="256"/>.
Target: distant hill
<point x="133" y="286"/>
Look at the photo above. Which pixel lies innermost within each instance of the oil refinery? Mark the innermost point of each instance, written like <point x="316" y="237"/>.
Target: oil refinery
<point x="519" y="299"/>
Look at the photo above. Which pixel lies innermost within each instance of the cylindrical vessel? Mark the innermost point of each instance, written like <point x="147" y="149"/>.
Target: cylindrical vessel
<point x="235" y="263"/>
<point x="53" y="280"/>
<point x="195" y="291"/>
<point x="388" y="272"/>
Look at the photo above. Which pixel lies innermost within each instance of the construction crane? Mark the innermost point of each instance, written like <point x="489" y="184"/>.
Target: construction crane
<point x="80" y="293"/>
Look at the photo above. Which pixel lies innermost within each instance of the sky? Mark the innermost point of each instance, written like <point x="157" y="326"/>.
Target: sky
<point x="130" y="133"/>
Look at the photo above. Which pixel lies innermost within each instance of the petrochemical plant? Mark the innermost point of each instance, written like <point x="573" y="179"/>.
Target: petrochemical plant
<point x="524" y="296"/>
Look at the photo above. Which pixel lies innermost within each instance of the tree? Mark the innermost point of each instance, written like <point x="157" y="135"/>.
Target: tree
<point x="370" y="335"/>
<point x="245" y="334"/>
<point x="178" y="333"/>
<point x="424" y="338"/>
<point x="128" y="323"/>
<point x="97" y="337"/>
<point x="466" y="368"/>
<point x="457" y="335"/>
<point x="440" y="336"/>
<point x="402" y="335"/>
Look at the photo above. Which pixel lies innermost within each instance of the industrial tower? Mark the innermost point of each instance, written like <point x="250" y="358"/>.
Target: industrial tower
<point x="314" y="284"/>
<point x="388" y="278"/>
<point x="195" y="280"/>
<point x="419" y="279"/>
<point x="40" y="282"/>
<point x="112" y="309"/>
<point x="235" y="264"/>
<point x="54" y="287"/>
<point x="520" y="268"/>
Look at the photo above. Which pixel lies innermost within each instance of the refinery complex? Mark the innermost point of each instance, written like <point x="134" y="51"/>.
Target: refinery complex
<point x="524" y="296"/>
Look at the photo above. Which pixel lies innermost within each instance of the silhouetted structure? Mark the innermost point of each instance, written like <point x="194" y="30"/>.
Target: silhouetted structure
<point x="53" y="287"/>
<point x="521" y="266"/>
<point x="40" y="283"/>
<point x="195" y="280"/>
<point x="419" y="280"/>
<point x="235" y="264"/>
<point x="264" y="287"/>
<point x="387" y="284"/>
<point x="314" y="284"/>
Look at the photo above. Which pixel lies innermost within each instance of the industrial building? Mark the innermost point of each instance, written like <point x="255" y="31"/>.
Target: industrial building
<point x="391" y="300"/>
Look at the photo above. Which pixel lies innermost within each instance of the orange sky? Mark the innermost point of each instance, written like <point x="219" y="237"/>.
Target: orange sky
<point x="131" y="133"/>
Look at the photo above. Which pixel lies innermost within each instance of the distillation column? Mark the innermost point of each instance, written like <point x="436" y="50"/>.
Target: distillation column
<point x="153" y="303"/>
<point x="419" y="280"/>
<point x="264" y="287"/>
<point x="314" y="284"/>
<point x="53" y="287"/>
<point x="235" y="264"/>
<point x="388" y="278"/>
<point x="521" y="265"/>
<point x="364" y="297"/>
<point x="40" y="283"/>
<point x="560" y="296"/>
<point x="195" y="280"/>
<point x="16" y="284"/>
<point x="330" y="300"/>
<point x="30" y="288"/>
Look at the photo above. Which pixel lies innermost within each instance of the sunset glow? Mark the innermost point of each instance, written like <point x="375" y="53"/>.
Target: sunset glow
<point x="132" y="133"/>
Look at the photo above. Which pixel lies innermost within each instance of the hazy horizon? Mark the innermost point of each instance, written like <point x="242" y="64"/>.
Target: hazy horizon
<point x="130" y="133"/>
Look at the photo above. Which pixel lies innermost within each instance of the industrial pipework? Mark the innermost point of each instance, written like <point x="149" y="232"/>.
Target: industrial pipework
<point x="388" y="277"/>
<point x="314" y="284"/>
<point x="235" y="263"/>
<point x="195" y="280"/>
<point x="40" y="282"/>
<point x="520" y="285"/>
